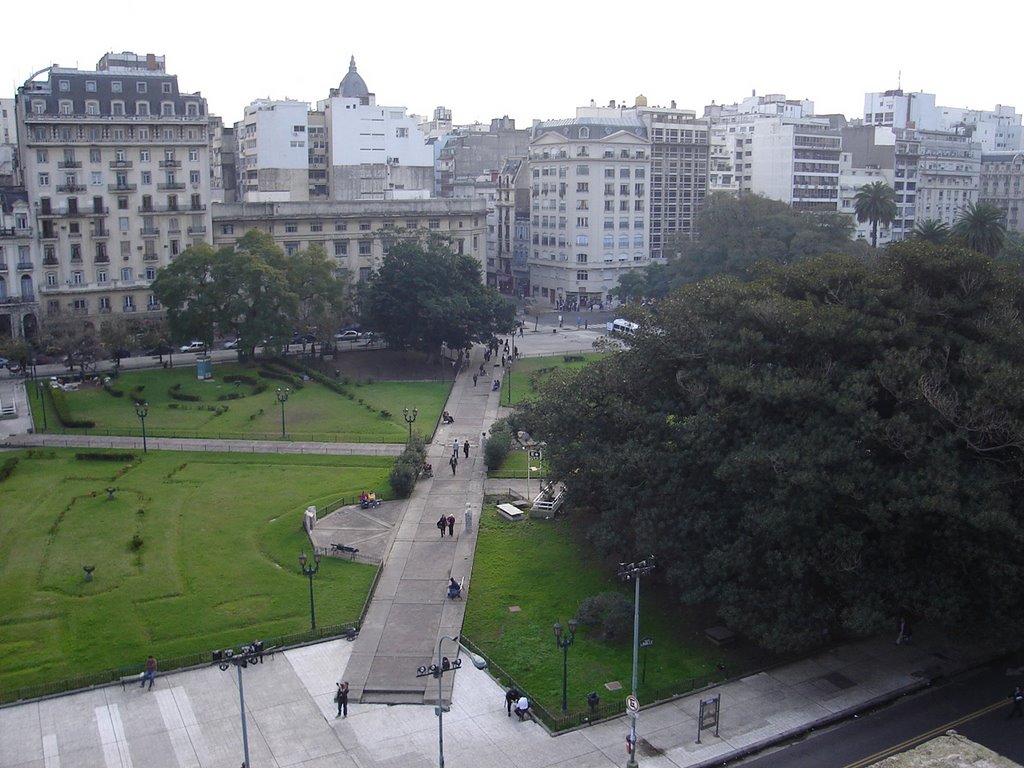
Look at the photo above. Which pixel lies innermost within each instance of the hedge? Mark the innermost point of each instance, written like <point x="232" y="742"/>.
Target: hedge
<point x="60" y="405"/>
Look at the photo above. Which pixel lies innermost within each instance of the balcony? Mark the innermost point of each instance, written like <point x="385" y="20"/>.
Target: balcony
<point x="197" y="230"/>
<point x="3" y="266"/>
<point x="122" y="187"/>
<point x="149" y="257"/>
<point x="197" y="207"/>
<point x="69" y="164"/>
<point x="170" y="163"/>
<point x="171" y="186"/>
<point x="149" y="231"/>
<point x="101" y="211"/>
<point x="25" y="266"/>
<point x="99" y="233"/>
<point x="71" y="189"/>
<point x="121" y="164"/>
<point x="15" y="231"/>
<point x="104" y="310"/>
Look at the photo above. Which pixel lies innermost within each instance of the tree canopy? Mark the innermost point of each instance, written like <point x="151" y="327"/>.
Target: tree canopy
<point x="738" y="232"/>
<point x="815" y="451"/>
<point x="425" y="295"/>
<point x="252" y="291"/>
<point x="981" y="226"/>
<point x="876" y="203"/>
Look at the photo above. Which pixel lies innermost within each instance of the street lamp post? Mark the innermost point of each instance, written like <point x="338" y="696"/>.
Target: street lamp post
<point x="310" y="571"/>
<point x="250" y="654"/>
<point x="627" y="572"/>
<point x="141" y="410"/>
<point x="282" y="398"/>
<point x="509" y="382"/>
<point x="410" y="419"/>
<point x="438" y="670"/>
<point x="563" y="641"/>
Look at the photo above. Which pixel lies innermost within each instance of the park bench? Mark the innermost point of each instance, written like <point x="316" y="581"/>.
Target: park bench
<point x="350" y="551"/>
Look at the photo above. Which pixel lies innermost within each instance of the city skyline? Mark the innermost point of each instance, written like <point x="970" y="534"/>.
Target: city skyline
<point x="480" y="66"/>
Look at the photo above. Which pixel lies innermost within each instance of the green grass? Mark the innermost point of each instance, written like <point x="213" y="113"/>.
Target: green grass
<point x="529" y="372"/>
<point x="541" y="567"/>
<point x="218" y="564"/>
<point x="312" y="413"/>
<point x="515" y="465"/>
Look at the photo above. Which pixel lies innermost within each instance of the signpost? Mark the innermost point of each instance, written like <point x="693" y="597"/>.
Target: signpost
<point x="529" y="469"/>
<point x="708" y="717"/>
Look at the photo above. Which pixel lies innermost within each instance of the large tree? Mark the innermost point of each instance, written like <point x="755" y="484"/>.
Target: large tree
<point x="981" y="226"/>
<point x="876" y="203"/>
<point x="931" y="230"/>
<point x="738" y="232"/>
<point x="425" y="295"/>
<point x="815" y="451"/>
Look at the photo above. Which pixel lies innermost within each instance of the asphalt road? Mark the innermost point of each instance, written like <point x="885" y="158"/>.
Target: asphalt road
<point x="975" y="705"/>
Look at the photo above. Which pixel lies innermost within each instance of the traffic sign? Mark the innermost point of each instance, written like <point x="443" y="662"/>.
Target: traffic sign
<point x="633" y="704"/>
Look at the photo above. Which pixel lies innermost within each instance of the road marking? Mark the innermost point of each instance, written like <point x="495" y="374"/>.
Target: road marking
<point x="115" y="745"/>
<point x="51" y="753"/>
<point x="176" y="730"/>
<point x="922" y="737"/>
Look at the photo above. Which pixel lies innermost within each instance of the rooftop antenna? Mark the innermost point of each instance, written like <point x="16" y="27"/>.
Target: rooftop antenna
<point x="899" y="79"/>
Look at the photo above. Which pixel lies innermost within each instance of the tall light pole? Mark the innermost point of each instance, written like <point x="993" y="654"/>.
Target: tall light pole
<point x="141" y="410"/>
<point x="310" y="571"/>
<point x="282" y="398"/>
<point x="438" y="670"/>
<point x="563" y="641"/>
<point x="627" y="572"/>
<point x="410" y="419"/>
<point x="250" y="654"/>
<point x="509" y="382"/>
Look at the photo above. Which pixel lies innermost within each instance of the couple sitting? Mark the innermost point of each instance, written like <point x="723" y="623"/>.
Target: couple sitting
<point x="367" y="500"/>
<point x="454" y="589"/>
<point x="447" y="418"/>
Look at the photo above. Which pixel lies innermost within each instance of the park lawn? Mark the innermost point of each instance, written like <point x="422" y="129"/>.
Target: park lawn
<point x="515" y="465"/>
<point x="368" y="412"/>
<point x="217" y="566"/>
<point x="542" y="567"/>
<point x="529" y="372"/>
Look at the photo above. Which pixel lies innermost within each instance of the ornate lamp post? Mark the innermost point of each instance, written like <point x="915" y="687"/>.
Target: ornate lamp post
<point x="310" y="571"/>
<point x="410" y="419"/>
<point x="141" y="410"/>
<point x="563" y="641"/>
<point x="282" y="398"/>
<point x="627" y="572"/>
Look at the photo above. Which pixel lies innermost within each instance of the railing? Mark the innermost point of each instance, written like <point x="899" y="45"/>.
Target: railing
<point x="362" y="439"/>
<point x="121" y="187"/>
<point x="171" y="185"/>
<point x="170" y="163"/>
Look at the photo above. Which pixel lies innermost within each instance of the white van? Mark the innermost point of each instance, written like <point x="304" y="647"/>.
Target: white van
<point x="622" y="327"/>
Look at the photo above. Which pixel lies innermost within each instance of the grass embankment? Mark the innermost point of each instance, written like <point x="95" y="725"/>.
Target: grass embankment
<point x="182" y="406"/>
<point x="193" y="552"/>
<point x="529" y="372"/>
<point x="543" y="568"/>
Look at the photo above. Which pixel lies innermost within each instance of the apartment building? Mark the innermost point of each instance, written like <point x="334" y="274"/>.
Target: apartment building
<point x="949" y="175"/>
<point x="116" y="165"/>
<point x="273" y="155"/>
<point x="509" y="268"/>
<point x="589" y="207"/>
<point x="19" y="305"/>
<point x="355" y="233"/>
<point x="1002" y="185"/>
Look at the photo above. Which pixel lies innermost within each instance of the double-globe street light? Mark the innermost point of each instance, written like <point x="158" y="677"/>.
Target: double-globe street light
<point x="410" y="419"/>
<point x="249" y="654"/>
<point x="627" y="572"/>
<point x="563" y="641"/>
<point x="141" y="410"/>
<point x="282" y="398"/>
<point x="310" y="571"/>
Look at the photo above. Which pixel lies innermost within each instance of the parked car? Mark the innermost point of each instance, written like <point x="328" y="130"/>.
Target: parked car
<point x="231" y="343"/>
<point x="303" y="338"/>
<point x="194" y="346"/>
<point x="349" y="334"/>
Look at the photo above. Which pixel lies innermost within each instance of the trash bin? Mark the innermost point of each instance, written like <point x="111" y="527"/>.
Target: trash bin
<point x="593" y="700"/>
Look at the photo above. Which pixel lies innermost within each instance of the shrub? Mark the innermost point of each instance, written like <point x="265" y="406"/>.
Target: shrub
<point x="498" y="444"/>
<point x="136" y="542"/>
<point x="102" y="456"/>
<point x="231" y="396"/>
<point x="60" y="405"/>
<point x="7" y="468"/>
<point x="110" y="389"/>
<point x="176" y="394"/>
<point x="249" y="381"/>
<point x="407" y="467"/>
<point x="385" y="414"/>
<point x="610" y="612"/>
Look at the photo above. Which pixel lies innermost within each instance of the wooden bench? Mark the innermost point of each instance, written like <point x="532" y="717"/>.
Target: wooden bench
<point x="350" y="551"/>
<point x="510" y="512"/>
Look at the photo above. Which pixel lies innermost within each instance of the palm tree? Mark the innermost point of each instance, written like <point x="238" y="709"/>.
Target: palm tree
<point x="931" y="230"/>
<point x="876" y="203"/>
<point x="981" y="228"/>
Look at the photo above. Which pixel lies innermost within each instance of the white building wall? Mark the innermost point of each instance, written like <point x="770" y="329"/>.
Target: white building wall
<point x="361" y="133"/>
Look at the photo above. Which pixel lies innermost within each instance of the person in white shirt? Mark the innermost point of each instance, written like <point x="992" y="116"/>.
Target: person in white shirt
<point x="522" y="706"/>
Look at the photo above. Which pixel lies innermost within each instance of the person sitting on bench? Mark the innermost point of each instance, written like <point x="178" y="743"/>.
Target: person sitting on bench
<point x="496" y="385"/>
<point x="369" y="501"/>
<point x="454" y="588"/>
<point x="522" y="707"/>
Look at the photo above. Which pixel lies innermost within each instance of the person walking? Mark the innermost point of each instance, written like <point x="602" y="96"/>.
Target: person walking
<point x="149" y="673"/>
<point x="455" y="447"/>
<point x="341" y="697"/>
<point x="475" y="377"/>
<point x="442" y="524"/>
<point x="451" y="525"/>
<point x="465" y="448"/>
<point x="1018" y="703"/>
<point x="453" y="462"/>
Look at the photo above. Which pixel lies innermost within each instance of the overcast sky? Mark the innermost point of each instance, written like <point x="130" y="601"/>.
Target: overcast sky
<point x="533" y="59"/>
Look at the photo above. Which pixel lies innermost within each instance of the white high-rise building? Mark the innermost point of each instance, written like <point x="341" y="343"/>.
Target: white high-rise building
<point x="374" y="152"/>
<point x="273" y="152"/>
<point x="116" y="165"/>
<point x="896" y="109"/>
